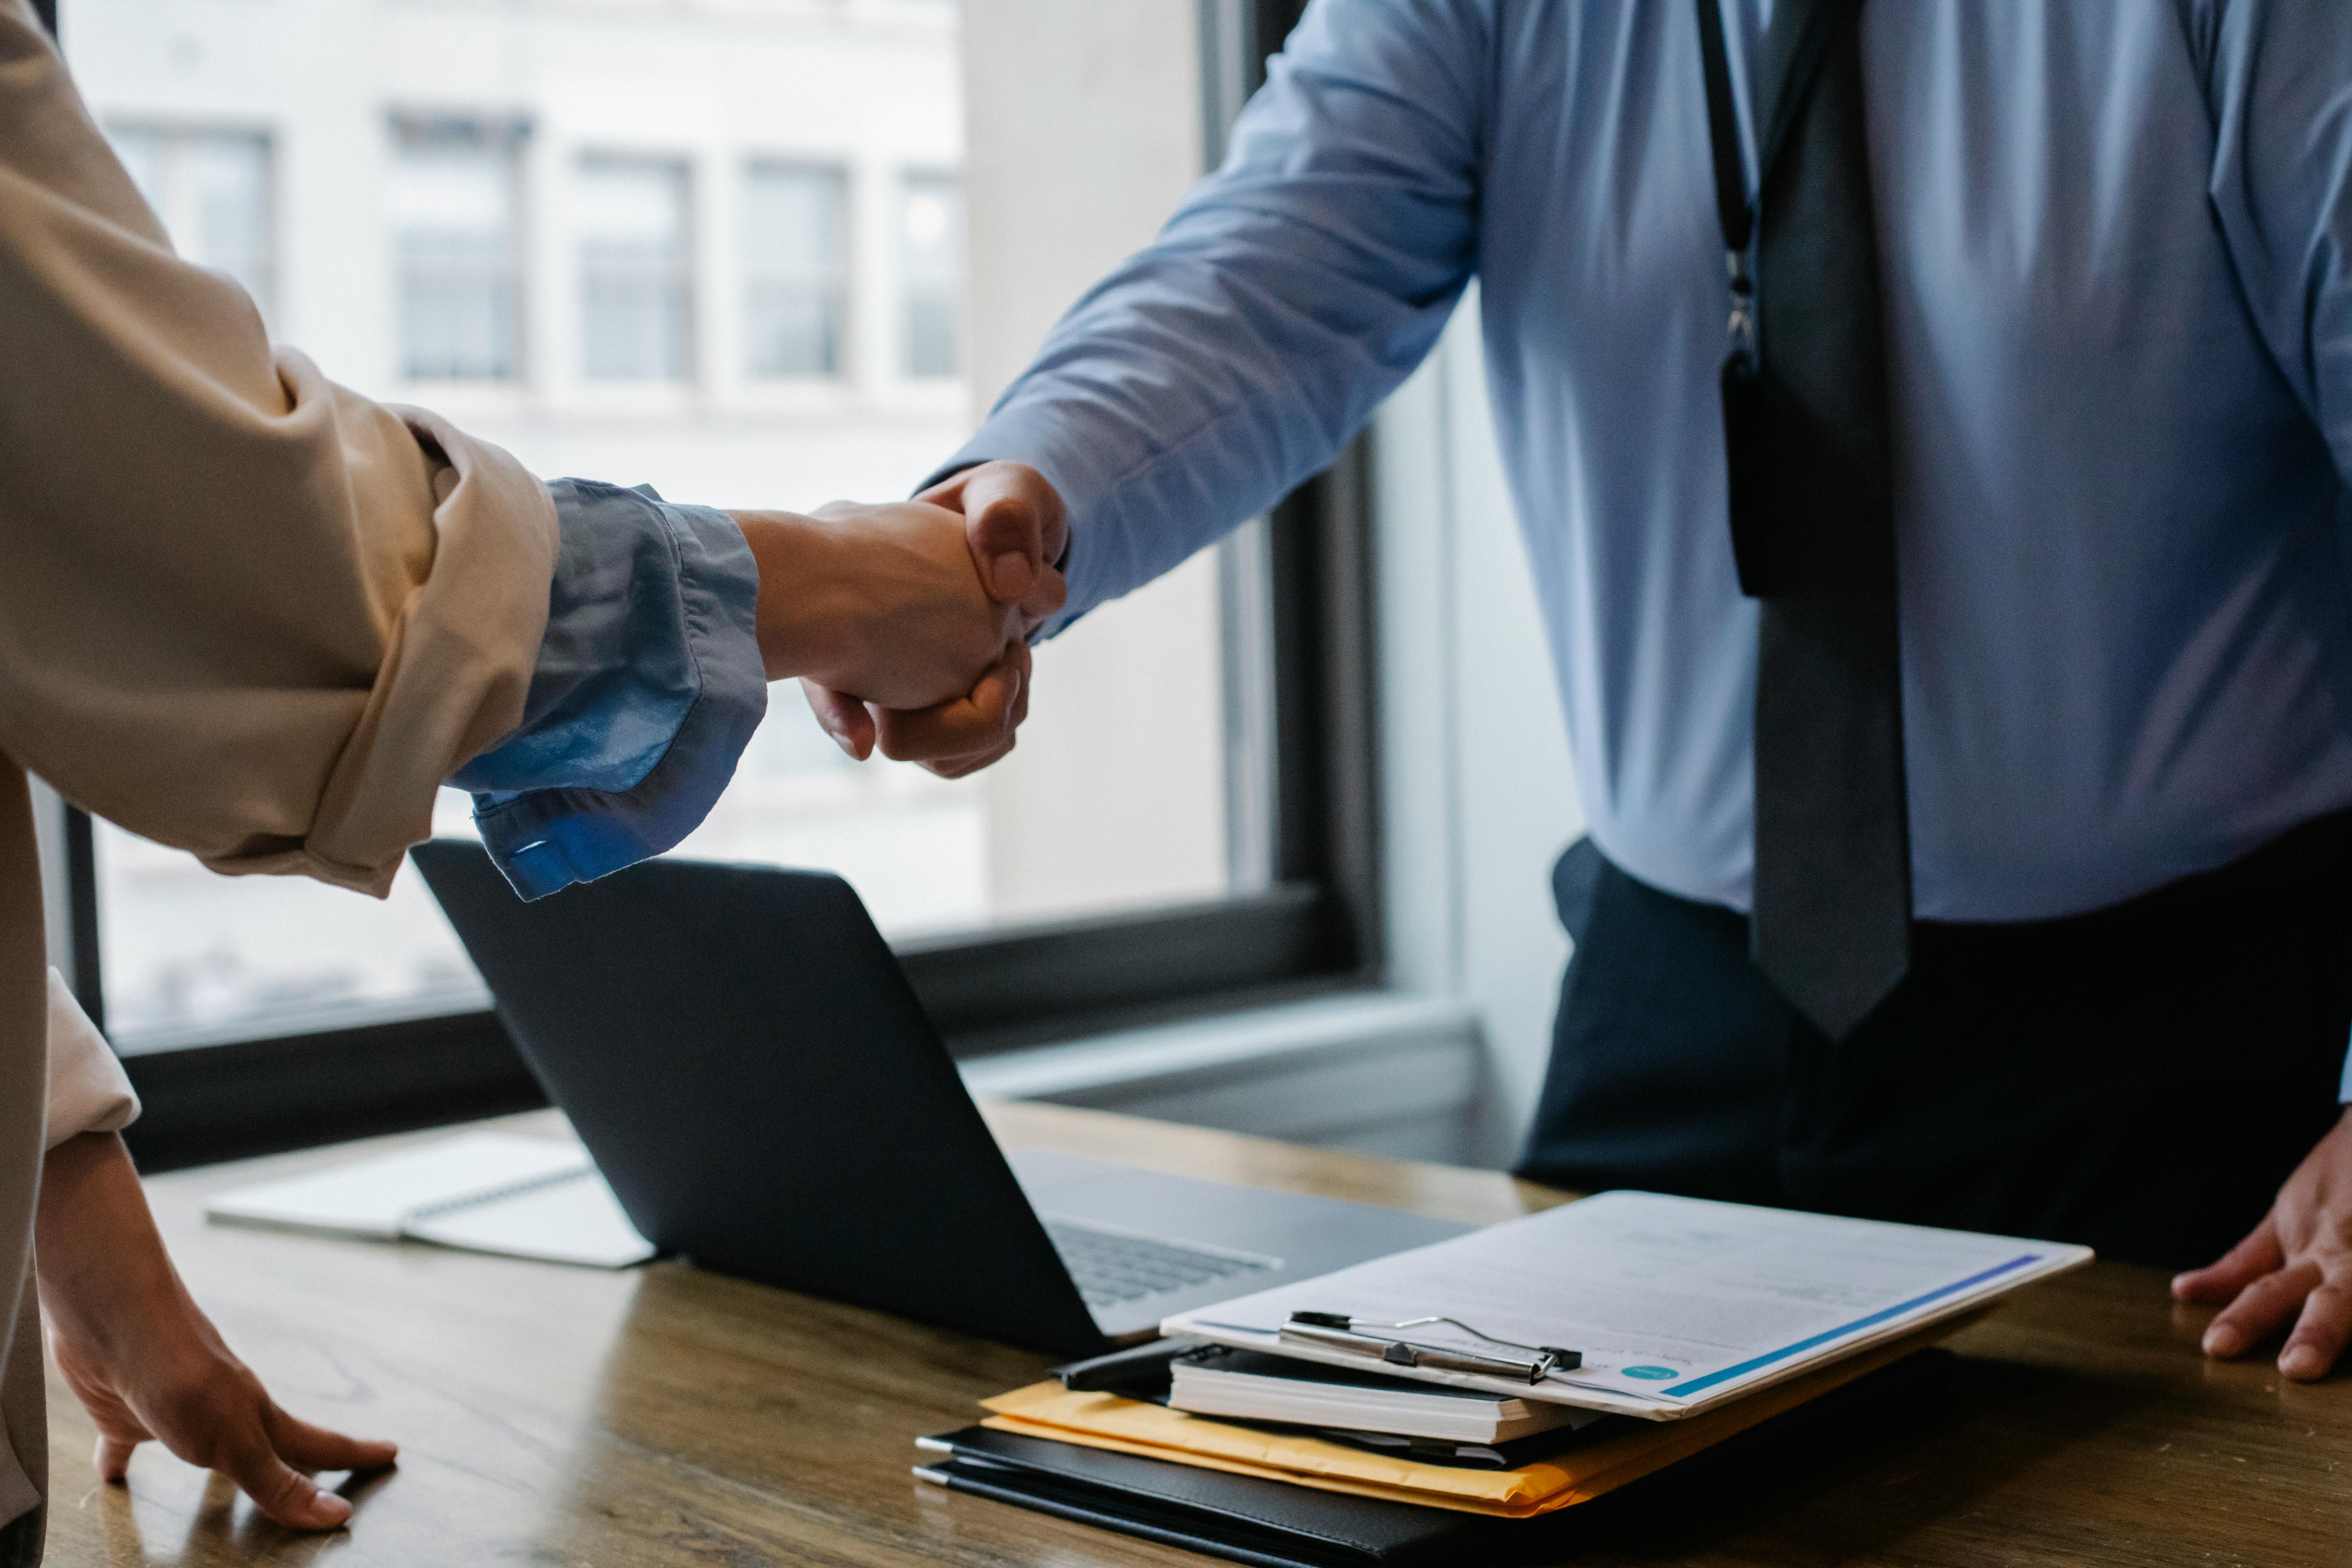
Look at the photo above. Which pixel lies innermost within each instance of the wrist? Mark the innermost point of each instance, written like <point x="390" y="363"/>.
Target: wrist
<point x="100" y="1253"/>
<point x="802" y="616"/>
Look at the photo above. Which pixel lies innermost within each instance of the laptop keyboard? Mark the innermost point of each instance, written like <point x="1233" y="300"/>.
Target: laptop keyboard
<point x="1111" y="1268"/>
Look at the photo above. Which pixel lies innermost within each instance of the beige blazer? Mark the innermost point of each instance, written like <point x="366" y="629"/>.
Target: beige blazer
<point x="243" y="610"/>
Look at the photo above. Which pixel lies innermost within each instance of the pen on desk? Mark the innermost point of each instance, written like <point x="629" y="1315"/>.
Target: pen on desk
<point x="1338" y="1332"/>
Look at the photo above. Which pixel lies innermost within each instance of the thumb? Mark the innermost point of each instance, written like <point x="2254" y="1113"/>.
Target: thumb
<point x="1015" y="521"/>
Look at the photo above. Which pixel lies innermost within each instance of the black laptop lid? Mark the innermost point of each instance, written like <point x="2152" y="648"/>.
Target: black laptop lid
<point x="738" y="1048"/>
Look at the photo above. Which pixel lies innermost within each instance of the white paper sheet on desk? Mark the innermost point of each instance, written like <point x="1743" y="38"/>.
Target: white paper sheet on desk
<point x="486" y="1192"/>
<point x="1676" y="1304"/>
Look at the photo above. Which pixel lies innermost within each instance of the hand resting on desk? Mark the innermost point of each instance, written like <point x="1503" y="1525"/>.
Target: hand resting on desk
<point x="2295" y="1268"/>
<point x="146" y="1362"/>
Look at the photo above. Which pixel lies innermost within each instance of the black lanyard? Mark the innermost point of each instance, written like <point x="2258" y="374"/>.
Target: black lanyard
<point x="1733" y="208"/>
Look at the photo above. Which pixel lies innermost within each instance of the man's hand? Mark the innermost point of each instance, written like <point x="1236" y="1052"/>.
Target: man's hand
<point x="146" y="1362"/>
<point x="2295" y="1268"/>
<point x="881" y="603"/>
<point x="1015" y="529"/>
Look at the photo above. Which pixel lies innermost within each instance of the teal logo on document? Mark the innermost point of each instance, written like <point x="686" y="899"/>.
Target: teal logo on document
<point x="1652" y="1374"/>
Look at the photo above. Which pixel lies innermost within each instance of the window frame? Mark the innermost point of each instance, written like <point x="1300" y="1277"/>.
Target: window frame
<point x="1298" y="650"/>
<point x="906" y="296"/>
<point x="177" y="134"/>
<point x="507" y="138"/>
<point x="841" y="274"/>
<point x="681" y="170"/>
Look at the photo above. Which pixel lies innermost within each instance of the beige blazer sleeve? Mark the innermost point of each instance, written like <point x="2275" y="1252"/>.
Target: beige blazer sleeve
<point x="243" y="610"/>
<point x="88" y="1091"/>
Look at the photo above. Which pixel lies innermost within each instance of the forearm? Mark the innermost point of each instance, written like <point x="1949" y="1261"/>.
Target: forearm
<point x="1291" y="291"/>
<point x="247" y="613"/>
<point x="96" y="1240"/>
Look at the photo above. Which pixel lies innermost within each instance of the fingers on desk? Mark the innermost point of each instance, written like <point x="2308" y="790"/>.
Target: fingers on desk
<point x="2321" y="1331"/>
<point x="2218" y="1283"/>
<point x="269" y="1462"/>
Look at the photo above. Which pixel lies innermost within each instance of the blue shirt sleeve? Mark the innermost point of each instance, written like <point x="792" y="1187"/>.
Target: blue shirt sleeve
<point x="2280" y="88"/>
<point x="1292" y="290"/>
<point x="649" y="684"/>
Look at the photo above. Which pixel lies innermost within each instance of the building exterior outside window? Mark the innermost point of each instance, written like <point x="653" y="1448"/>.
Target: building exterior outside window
<point x="211" y="188"/>
<point x="636" y="286"/>
<point x="454" y="212"/>
<point x="931" y="275"/>
<point x="794" y="229"/>
<point x="546" y="221"/>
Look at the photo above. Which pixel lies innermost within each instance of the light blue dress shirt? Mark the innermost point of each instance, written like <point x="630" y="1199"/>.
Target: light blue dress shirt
<point x="649" y="684"/>
<point x="2116" y="240"/>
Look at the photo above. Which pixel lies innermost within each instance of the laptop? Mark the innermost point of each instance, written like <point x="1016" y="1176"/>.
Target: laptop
<point x="738" y="1049"/>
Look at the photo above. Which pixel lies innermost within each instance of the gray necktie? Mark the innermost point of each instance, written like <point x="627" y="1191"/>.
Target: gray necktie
<point x="1812" y="521"/>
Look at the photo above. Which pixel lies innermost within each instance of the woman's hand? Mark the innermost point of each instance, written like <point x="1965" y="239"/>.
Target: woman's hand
<point x="145" y="1361"/>
<point x="880" y="603"/>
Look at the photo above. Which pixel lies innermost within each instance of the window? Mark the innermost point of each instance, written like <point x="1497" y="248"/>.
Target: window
<point x="635" y="293"/>
<point x="795" y="270"/>
<point x="189" y="956"/>
<point x="602" y="238"/>
<point x="454" y="212"/>
<point x="211" y="188"/>
<point x="930" y="277"/>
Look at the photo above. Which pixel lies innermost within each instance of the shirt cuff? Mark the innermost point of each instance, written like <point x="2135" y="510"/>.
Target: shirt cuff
<point x="648" y="687"/>
<point x="88" y="1089"/>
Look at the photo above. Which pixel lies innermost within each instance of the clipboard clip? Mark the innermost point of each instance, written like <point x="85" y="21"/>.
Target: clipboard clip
<point x="1338" y="1332"/>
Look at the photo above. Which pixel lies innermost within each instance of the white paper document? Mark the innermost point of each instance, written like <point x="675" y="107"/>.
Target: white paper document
<point x="1675" y="1304"/>
<point x="485" y="1192"/>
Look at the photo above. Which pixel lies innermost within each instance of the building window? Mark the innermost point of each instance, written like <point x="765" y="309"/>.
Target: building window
<point x="795" y="270"/>
<point x="931" y="275"/>
<point x="1109" y="870"/>
<point x="211" y="189"/>
<point x="455" y="219"/>
<point x="636" y="284"/>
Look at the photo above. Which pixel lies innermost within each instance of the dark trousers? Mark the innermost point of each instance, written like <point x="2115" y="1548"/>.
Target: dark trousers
<point x="2140" y="1079"/>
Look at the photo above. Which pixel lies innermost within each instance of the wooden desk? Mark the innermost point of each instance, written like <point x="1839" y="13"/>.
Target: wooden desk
<point x="552" y="1416"/>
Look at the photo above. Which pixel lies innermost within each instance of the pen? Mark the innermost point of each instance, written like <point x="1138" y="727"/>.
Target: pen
<point x="1338" y="1332"/>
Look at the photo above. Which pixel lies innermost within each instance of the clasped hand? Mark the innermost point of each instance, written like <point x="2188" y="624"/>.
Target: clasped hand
<point x="907" y="623"/>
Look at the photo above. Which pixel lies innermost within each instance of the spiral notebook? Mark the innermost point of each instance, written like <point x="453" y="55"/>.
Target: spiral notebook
<point x="541" y="1198"/>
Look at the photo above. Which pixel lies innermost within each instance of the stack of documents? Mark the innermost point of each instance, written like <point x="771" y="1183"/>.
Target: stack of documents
<point x="1252" y="1386"/>
<point x="1685" y="1321"/>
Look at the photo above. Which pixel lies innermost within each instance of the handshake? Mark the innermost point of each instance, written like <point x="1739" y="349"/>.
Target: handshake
<point x="907" y="623"/>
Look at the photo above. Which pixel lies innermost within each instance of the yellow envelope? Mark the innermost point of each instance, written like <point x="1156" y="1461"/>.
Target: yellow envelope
<point x="1577" y="1475"/>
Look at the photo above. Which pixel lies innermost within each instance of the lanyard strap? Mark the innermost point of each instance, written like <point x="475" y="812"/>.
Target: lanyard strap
<point x="1734" y="210"/>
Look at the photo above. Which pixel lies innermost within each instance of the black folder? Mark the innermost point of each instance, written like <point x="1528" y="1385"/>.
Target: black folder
<point x="1270" y="1524"/>
<point x="1273" y="1524"/>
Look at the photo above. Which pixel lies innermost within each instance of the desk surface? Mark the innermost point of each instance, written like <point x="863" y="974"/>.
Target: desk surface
<point x="664" y="1417"/>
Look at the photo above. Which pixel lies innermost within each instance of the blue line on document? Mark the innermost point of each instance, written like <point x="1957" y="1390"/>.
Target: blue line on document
<point x="1768" y="1357"/>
